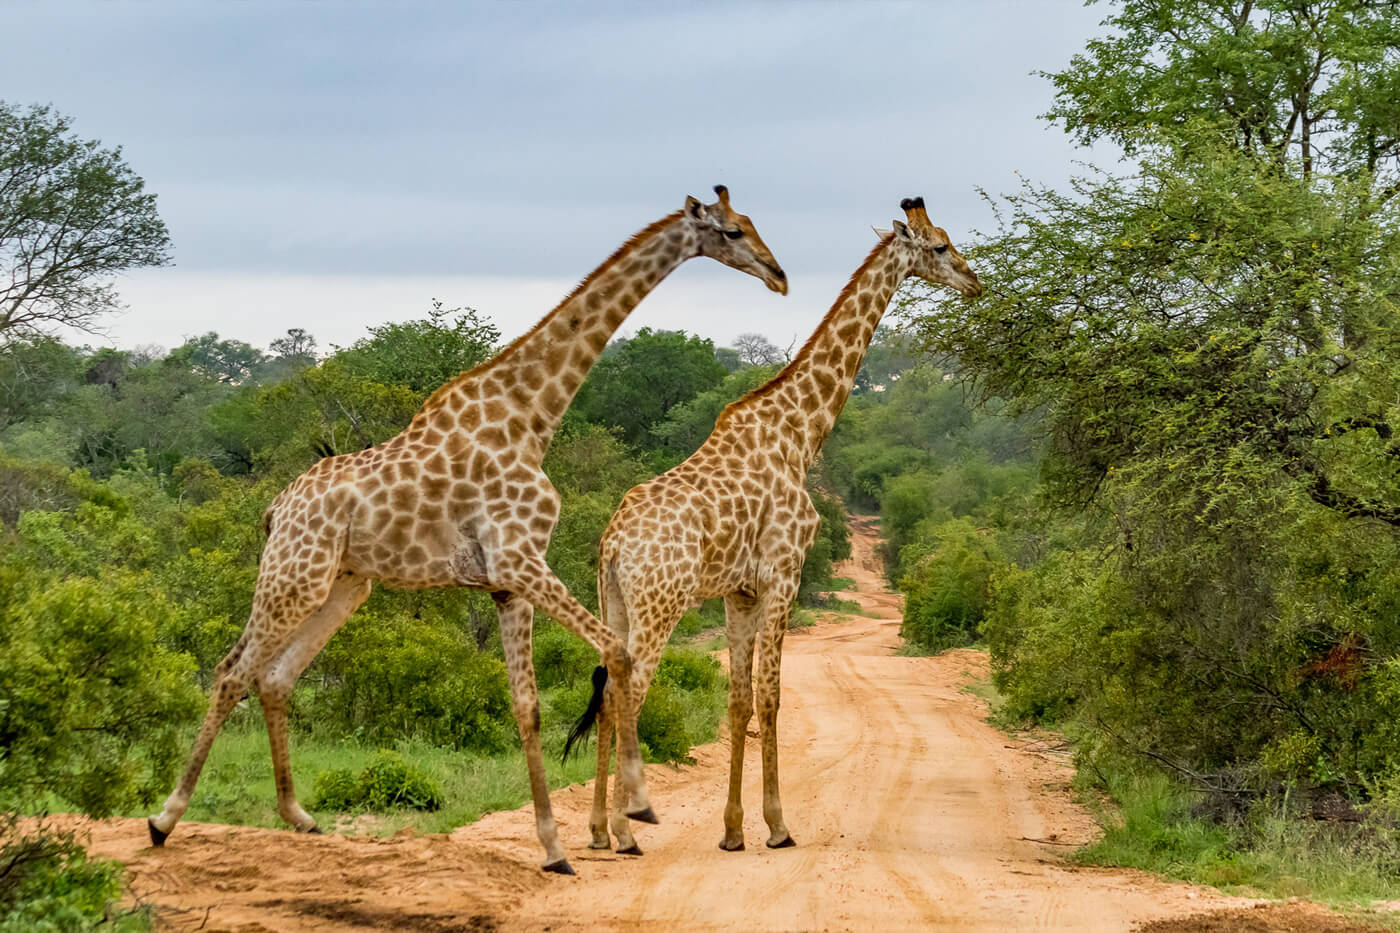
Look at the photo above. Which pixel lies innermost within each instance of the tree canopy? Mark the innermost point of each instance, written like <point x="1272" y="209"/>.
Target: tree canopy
<point x="72" y="216"/>
<point x="1209" y="340"/>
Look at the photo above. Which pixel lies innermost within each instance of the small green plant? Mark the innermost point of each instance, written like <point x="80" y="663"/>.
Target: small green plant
<point x="689" y="669"/>
<point x="49" y="885"/>
<point x="386" y="783"/>
<point x="337" y="789"/>
<point x="661" y="725"/>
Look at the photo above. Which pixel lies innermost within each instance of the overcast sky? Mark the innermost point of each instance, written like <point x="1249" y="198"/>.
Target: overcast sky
<point x="335" y="165"/>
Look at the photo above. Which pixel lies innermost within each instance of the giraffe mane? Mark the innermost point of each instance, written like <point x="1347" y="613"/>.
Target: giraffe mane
<point x="630" y="244"/>
<point x="806" y="350"/>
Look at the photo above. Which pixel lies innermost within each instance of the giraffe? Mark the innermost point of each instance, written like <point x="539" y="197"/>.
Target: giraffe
<point x="457" y="499"/>
<point x="735" y="521"/>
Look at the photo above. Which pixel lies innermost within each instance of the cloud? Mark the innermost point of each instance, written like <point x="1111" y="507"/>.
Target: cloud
<point x="416" y="141"/>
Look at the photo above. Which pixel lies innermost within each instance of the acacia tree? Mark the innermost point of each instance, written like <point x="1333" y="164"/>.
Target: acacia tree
<point x="72" y="215"/>
<point x="1212" y="340"/>
<point x="758" y="350"/>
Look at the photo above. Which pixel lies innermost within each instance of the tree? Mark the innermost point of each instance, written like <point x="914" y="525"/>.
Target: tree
<point x="33" y="373"/>
<point x="422" y="355"/>
<point x="297" y="345"/>
<point x="72" y="215"/>
<point x="1210" y="340"/>
<point x="635" y="386"/>
<point x="1302" y="85"/>
<point x="687" y="424"/>
<point x="728" y="357"/>
<point x="231" y="362"/>
<point x="758" y="350"/>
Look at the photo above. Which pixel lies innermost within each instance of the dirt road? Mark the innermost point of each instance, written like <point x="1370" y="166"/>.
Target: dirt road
<point x="909" y="812"/>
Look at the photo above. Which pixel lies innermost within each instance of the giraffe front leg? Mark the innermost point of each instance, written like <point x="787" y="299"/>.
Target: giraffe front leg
<point x="740" y="618"/>
<point x="769" y="688"/>
<point x="516" y="618"/>
<point x="534" y="581"/>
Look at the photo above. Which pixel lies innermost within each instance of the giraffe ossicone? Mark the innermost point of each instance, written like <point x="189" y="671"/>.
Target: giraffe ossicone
<point x="739" y="523"/>
<point x="458" y="498"/>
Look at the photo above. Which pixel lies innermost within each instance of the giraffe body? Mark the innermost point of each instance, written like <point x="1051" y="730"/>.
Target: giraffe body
<point x="735" y="521"/>
<point x="457" y="499"/>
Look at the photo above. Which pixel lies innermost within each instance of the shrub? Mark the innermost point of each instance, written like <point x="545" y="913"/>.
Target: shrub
<point x="337" y="789"/>
<point x="92" y="709"/>
<point x="386" y="783"/>
<point x="389" y="781"/>
<point x="948" y="586"/>
<point x="661" y="725"/>
<point x="562" y="659"/>
<point x="688" y="669"/>
<point x="387" y="675"/>
<point x="49" y="885"/>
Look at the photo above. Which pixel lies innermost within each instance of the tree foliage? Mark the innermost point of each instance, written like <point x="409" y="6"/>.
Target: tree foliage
<point x="1209" y="340"/>
<point x="72" y="215"/>
<point x="637" y="383"/>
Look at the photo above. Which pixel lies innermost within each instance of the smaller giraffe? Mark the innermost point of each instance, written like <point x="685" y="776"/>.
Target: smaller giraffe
<point x="735" y="521"/>
<point x="458" y="498"/>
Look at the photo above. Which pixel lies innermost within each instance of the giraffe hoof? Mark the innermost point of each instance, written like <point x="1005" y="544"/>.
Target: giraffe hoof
<point x="601" y="845"/>
<point x="785" y="843"/>
<point x="313" y="831"/>
<point x="644" y="816"/>
<point x="633" y="849"/>
<point x="157" y="837"/>
<point x="560" y="867"/>
<point x="728" y="846"/>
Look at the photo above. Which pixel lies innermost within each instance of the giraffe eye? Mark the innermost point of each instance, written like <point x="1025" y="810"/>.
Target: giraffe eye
<point x="941" y="249"/>
<point x="734" y="234"/>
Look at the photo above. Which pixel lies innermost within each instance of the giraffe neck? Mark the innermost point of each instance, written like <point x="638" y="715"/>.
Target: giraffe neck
<point x="808" y="394"/>
<point x="531" y="383"/>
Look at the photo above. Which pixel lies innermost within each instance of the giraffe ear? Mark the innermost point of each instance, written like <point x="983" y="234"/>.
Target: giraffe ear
<point x="900" y="229"/>
<point x="881" y="234"/>
<point x="694" y="208"/>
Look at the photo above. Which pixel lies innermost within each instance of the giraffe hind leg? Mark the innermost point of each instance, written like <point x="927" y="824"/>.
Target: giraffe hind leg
<point x="280" y="605"/>
<point x="277" y="679"/>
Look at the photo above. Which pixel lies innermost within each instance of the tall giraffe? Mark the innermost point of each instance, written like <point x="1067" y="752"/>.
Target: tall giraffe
<point x="735" y="521"/>
<point x="457" y="499"/>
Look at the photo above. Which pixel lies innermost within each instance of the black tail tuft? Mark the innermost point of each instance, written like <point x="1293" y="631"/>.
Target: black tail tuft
<point x="590" y="715"/>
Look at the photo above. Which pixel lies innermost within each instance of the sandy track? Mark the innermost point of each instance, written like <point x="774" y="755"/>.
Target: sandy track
<point x="910" y="813"/>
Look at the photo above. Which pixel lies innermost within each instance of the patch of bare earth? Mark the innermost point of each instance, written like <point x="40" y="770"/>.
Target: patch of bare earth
<point x="910" y="813"/>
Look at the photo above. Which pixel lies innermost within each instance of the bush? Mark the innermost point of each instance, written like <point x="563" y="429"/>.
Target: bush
<point x="709" y="615"/>
<point x="661" y="725"/>
<point x="92" y="709"/>
<point x="948" y="586"/>
<point x="688" y="669"/>
<point x="562" y="659"/>
<point x="337" y="789"/>
<point x="386" y="783"/>
<point x="49" y="885"/>
<point x="388" y="675"/>
<point x="833" y="544"/>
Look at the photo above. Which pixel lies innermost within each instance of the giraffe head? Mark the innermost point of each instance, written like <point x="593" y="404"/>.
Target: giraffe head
<point x="730" y="237"/>
<point x="931" y="255"/>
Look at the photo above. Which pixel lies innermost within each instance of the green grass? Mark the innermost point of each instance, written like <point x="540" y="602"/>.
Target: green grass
<point x="1150" y="825"/>
<point x="987" y="692"/>
<point x="237" y="787"/>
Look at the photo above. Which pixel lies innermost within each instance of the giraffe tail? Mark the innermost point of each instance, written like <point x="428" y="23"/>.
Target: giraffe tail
<point x="590" y="715"/>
